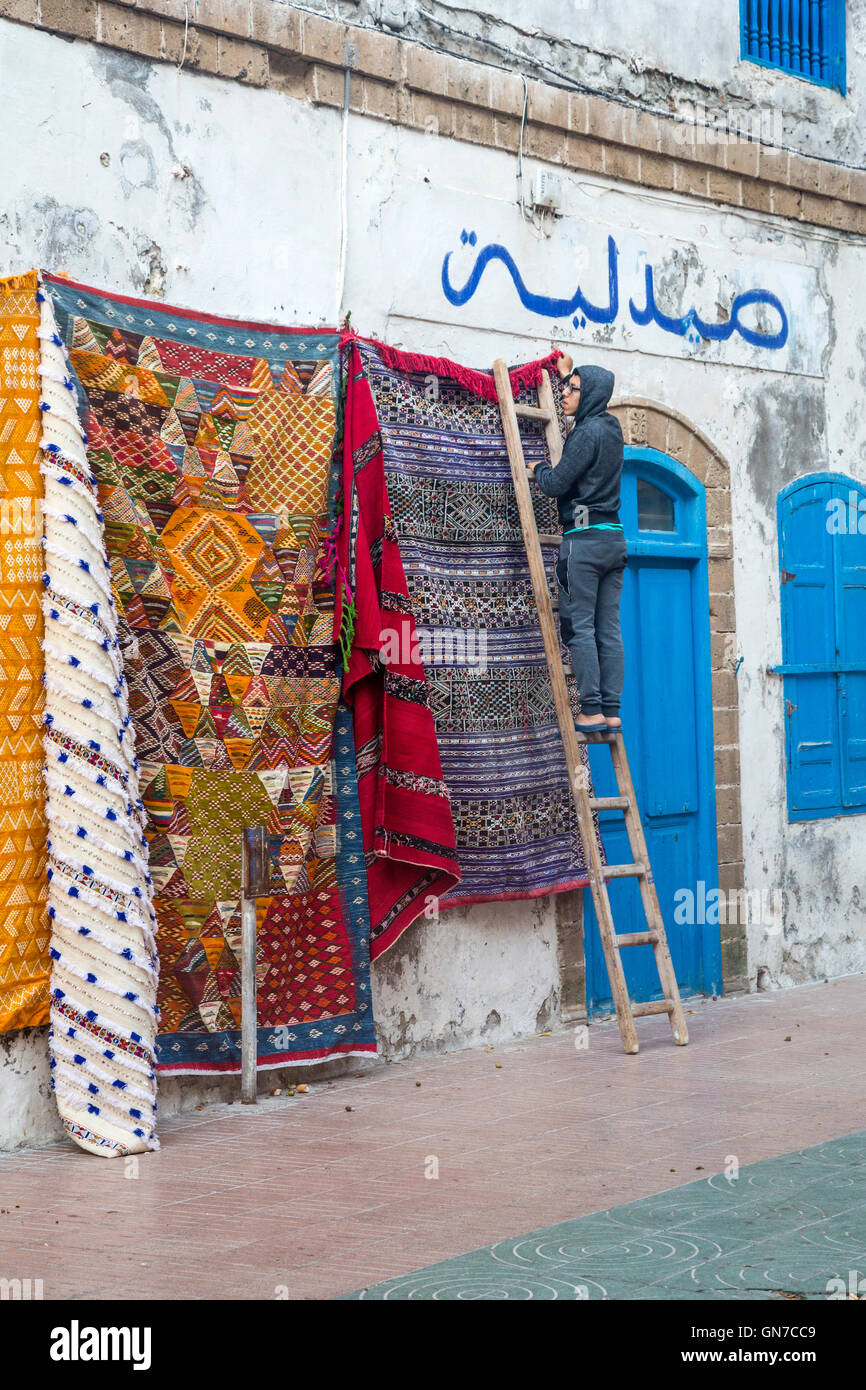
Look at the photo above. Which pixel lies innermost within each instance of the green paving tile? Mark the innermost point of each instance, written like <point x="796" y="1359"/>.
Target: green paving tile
<point x="786" y="1225"/>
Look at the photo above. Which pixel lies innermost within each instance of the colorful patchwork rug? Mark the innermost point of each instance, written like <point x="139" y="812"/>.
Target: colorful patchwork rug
<point x="480" y="658"/>
<point x="211" y="441"/>
<point x="24" y="925"/>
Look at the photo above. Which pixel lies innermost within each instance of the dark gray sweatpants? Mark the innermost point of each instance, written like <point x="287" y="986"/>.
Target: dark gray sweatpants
<point x="589" y="570"/>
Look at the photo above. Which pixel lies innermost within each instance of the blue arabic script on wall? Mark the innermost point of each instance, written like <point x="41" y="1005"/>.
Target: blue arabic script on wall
<point x="582" y="311"/>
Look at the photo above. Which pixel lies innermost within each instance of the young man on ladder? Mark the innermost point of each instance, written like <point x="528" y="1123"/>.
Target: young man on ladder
<point x="586" y="484"/>
<point x="586" y="473"/>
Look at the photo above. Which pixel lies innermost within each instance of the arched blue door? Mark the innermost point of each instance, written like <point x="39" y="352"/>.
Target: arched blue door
<point x="667" y="715"/>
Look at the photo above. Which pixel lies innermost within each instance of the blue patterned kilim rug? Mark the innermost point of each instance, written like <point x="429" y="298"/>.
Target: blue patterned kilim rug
<point x="456" y="519"/>
<point x="787" y="1227"/>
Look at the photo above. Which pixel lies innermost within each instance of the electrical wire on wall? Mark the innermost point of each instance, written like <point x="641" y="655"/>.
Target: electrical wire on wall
<point x="185" y="33"/>
<point x="344" y="162"/>
<point x="520" y="198"/>
<point x="536" y="219"/>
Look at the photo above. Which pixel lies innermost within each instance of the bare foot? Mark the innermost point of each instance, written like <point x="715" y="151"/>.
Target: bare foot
<point x="597" y="721"/>
<point x="613" y="721"/>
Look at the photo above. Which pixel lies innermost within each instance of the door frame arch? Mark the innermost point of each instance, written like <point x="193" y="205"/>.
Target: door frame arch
<point x="650" y="426"/>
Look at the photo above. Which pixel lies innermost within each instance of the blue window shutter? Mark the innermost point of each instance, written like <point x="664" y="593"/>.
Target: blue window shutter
<point x="851" y="641"/>
<point x="803" y="37"/>
<point x="853" y="703"/>
<point x="835" y="46"/>
<point x="808" y="639"/>
<point x="808" y="627"/>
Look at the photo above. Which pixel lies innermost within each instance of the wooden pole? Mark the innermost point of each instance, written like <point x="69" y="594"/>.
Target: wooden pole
<point x="254" y="885"/>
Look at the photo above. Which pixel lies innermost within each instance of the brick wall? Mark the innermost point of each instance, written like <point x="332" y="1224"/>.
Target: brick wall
<point x="645" y="424"/>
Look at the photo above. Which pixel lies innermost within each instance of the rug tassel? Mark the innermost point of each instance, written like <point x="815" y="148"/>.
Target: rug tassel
<point x="479" y="383"/>
<point x="347" y="631"/>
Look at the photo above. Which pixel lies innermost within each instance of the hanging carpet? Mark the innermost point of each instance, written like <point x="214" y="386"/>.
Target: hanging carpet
<point x="436" y="451"/>
<point x="24" y="925"/>
<point x="211" y="443"/>
<point x="405" y="808"/>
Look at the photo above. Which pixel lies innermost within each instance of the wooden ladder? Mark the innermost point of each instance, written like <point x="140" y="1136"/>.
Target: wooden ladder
<point x="599" y="873"/>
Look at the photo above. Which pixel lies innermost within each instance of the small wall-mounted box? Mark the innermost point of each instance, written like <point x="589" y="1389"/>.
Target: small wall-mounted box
<point x="546" y="190"/>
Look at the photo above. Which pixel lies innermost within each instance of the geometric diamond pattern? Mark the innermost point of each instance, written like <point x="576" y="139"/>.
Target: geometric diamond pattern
<point x="213" y="473"/>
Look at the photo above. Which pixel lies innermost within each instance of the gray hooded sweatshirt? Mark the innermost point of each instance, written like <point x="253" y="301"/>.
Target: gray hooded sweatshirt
<point x="589" y="472"/>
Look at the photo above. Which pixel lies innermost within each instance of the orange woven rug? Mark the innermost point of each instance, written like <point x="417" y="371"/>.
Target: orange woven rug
<point x="24" y="931"/>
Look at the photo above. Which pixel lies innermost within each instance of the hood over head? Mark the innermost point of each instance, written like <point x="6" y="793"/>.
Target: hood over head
<point x="596" y="389"/>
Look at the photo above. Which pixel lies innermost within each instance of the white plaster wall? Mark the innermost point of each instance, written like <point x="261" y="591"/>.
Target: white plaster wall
<point x="820" y="865"/>
<point x="207" y="193"/>
<point x="226" y="199"/>
<point x="773" y="415"/>
<point x="665" y="35"/>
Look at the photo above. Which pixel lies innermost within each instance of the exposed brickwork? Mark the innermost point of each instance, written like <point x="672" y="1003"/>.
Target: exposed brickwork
<point x="248" y="62"/>
<point x="571" y="958"/>
<point x="397" y="80"/>
<point x="648" y="425"/>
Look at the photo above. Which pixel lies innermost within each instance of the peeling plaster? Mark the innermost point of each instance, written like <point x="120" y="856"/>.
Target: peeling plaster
<point x="59" y="230"/>
<point x="661" y="56"/>
<point x="788" y="440"/>
<point x="138" y="166"/>
<point x="127" y="79"/>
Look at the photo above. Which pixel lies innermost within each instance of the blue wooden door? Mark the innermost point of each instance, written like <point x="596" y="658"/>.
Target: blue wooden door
<point x="667" y="715"/>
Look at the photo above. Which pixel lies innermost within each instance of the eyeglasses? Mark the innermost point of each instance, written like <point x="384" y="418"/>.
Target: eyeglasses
<point x="568" y="389"/>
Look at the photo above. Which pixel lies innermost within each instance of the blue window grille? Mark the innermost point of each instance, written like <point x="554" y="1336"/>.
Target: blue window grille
<point x="822" y="555"/>
<point x="804" y="37"/>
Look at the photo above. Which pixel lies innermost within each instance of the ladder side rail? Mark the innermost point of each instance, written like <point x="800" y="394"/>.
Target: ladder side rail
<point x="649" y="893"/>
<point x="634" y="826"/>
<point x="562" y="704"/>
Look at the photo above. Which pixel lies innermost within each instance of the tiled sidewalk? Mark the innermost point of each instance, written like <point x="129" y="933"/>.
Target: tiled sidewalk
<point x="328" y="1193"/>
<point x="788" y="1227"/>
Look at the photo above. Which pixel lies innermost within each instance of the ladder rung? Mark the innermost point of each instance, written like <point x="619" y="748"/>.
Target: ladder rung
<point x="603" y="732"/>
<point x="659" y="1006"/>
<point x="609" y="803"/>
<point x="636" y="870"/>
<point x="534" y="412"/>
<point x="637" y="938"/>
<point x="548" y="538"/>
